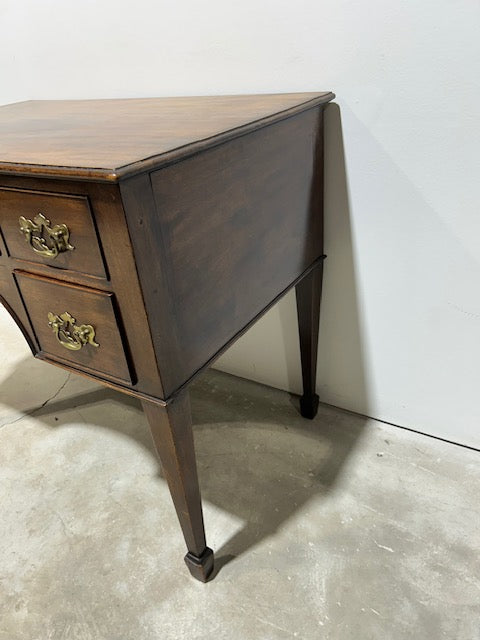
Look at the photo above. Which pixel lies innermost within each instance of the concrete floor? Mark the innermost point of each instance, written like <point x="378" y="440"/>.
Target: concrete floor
<point x="341" y="528"/>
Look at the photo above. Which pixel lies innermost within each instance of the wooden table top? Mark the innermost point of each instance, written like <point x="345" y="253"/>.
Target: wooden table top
<point x="109" y="139"/>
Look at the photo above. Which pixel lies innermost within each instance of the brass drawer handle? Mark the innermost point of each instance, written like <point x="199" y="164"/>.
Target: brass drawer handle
<point x="70" y="335"/>
<point x="44" y="239"/>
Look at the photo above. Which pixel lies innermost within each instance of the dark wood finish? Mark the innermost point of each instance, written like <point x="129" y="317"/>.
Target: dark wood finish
<point x="150" y="251"/>
<point x="73" y="211"/>
<point x="171" y="429"/>
<point x="88" y="306"/>
<point x="308" y="294"/>
<point x="190" y="218"/>
<point x="106" y="204"/>
<point x="110" y="139"/>
<point x="226" y="248"/>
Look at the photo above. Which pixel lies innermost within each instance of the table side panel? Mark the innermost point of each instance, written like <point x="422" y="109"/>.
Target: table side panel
<point x="150" y="253"/>
<point x="238" y="224"/>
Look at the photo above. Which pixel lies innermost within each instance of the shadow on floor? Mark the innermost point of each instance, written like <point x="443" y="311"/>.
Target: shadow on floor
<point x="258" y="459"/>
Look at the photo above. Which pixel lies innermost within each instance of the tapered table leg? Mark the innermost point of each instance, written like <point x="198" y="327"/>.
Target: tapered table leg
<point x="308" y="293"/>
<point x="171" y="428"/>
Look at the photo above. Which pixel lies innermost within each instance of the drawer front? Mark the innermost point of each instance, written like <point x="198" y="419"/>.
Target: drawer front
<point x="76" y="325"/>
<point x="53" y="229"/>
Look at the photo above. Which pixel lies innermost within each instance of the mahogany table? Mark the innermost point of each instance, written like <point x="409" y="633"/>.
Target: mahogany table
<point x="140" y="238"/>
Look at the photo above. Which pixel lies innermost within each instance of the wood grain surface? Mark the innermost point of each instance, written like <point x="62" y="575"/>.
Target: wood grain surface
<point x="237" y="225"/>
<point x="87" y="306"/>
<point x="107" y="139"/>
<point x="73" y="211"/>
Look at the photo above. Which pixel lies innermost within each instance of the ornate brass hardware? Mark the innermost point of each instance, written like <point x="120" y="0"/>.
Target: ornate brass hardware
<point x="68" y="334"/>
<point x="44" y="239"/>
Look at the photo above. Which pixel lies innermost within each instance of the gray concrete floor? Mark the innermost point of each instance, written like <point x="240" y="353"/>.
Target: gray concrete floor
<point x="341" y="528"/>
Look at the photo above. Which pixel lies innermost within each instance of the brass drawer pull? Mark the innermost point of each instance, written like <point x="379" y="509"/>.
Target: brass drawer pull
<point x="68" y="334"/>
<point x="38" y="231"/>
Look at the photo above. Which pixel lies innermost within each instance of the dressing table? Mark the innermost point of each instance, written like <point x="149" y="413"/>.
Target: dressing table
<point x="140" y="238"/>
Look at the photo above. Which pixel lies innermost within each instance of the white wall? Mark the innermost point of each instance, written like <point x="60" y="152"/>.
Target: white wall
<point x="400" y="331"/>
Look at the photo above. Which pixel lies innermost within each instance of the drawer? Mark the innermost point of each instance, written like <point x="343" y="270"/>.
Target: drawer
<point x="76" y="325"/>
<point x="53" y="229"/>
